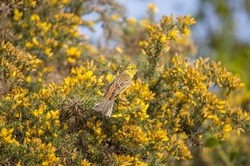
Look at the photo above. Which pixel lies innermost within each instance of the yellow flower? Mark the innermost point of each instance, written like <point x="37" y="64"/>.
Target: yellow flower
<point x="113" y="66"/>
<point x="32" y="3"/>
<point x="90" y="125"/>
<point x="28" y="44"/>
<point x="143" y="43"/>
<point x="28" y="79"/>
<point x="2" y="121"/>
<point x="189" y="20"/>
<point x="152" y="7"/>
<point x="73" y="52"/>
<point x="25" y="25"/>
<point x="65" y="126"/>
<point x="71" y="60"/>
<point x="20" y="36"/>
<point x="57" y="122"/>
<point x="163" y="39"/>
<point x="45" y="26"/>
<point x="48" y="52"/>
<point x="227" y="128"/>
<point x="115" y="17"/>
<point x="144" y="23"/>
<point x="35" y="113"/>
<point x="53" y="115"/>
<point x="65" y="1"/>
<point x="17" y="14"/>
<point x="186" y="31"/>
<point x="132" y="20"/>
<point x="109" y="77"/>
<point x="102" y="59"/>
<point x="6" y="135"/>
<point x="19" y="164"/>
<point x="118" y="49"/>
<point x="5" y="132"/>
<point x="45" y="163"/>
<point x="173" y="34"/>
<point x="117" y="115"/>
<point x="54" y="1"/>
<point x="34" y="17"/>
<point x="48" y="116"/>
<point x="98" y="130"/>
<point x="85" y="163"/>
<point x="40" y="132"/>
<point x="98" y="92"/>
<point x="34" y="40"/>
<point x="91" y="23"/>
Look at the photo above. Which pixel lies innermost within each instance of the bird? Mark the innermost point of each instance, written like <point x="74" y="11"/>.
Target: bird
<point x="116" y="87"/>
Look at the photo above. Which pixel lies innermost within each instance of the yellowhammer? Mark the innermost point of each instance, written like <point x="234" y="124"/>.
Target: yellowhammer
<point x="117" y="86"/>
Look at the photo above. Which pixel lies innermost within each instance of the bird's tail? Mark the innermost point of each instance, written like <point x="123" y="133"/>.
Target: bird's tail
<point x="105" y="106"/>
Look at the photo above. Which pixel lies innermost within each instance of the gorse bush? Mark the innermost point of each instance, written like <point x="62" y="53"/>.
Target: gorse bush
<point x="168" y="110"/>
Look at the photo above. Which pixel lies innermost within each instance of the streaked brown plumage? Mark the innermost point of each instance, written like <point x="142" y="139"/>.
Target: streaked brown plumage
<point x="117" y="86"/>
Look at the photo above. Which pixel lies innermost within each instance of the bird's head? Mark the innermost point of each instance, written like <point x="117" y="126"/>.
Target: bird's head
<point x="131" y="70"/>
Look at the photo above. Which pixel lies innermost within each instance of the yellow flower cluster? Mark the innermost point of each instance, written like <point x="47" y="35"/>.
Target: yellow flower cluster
<point x="83" y="78"/>
<point x="128" y="160"/>
<point x="188" y="102"/>
<point x="17" y="14"/>
<point x="152" y="7"/>
<point x="6" y="137"/>
<point x="185" y="108"/>
<point x="99" y="135"/>
<point x="184" y="22"/>
<point x="138" y="102"/>
<point x="42" y="32"/>
<point x="18" y="99"/>
<point x="160" y="35"/>
<point x="73" y="53"/>
<point x="177" y="148"/>
<point x="226" y="79"/>
<point x="132" y="136"/>
<point x="14" y="63"/>
<point x="44" y="152"/>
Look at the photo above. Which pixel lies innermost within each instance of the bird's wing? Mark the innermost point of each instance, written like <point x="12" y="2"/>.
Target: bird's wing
<point x="118" y="86"/>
